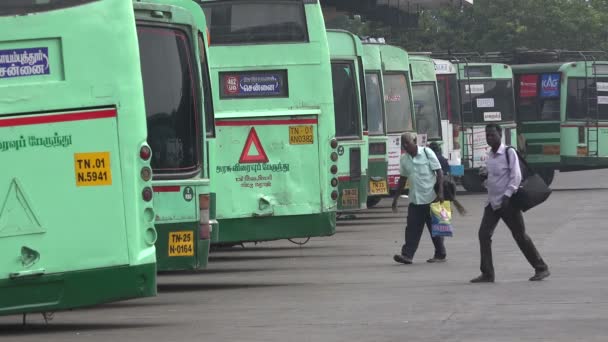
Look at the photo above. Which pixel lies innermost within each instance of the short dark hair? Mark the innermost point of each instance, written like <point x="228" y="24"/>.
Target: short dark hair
<point x="495" y="127"/>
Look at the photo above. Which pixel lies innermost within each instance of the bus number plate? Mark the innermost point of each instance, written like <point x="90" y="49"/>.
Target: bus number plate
<point x="92" y="169"/>
<point x="378" y="187"/>
<point x="350" y="198"/>
<point x="301" y="135"/>
<point x="181" y="243"/>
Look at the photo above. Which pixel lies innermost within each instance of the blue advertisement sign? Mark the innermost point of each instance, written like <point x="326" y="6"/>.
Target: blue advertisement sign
<point x="24" y="62"/>
<point x="262" y="84"/>
<point x="550" y="85"/>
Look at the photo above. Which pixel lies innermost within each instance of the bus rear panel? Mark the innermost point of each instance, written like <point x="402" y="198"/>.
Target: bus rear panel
<point x="76" y="217"/>
<point x="274" y="153"/>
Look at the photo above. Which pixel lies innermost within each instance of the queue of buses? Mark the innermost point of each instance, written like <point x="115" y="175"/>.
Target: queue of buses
<point x="134" y="135"/>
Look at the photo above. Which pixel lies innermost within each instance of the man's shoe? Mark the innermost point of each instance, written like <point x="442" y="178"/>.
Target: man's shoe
<point x="402" y="259"/>
<point x="483" y="279"/>
<point x="540" y="275"/>
<point x="434" y="260"/>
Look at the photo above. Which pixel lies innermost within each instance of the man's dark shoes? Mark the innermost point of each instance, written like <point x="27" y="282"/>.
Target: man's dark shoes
<point x="540" y="275"/>
<point x="484" y="278"/>
<point x="435" y="260"/>
<point x="402" y="259"/>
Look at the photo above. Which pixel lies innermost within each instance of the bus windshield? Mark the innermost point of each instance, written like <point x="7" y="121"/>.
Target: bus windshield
<point x="16" y="7"/>
<point x="488" y="100"/>
<point x="249" y="22"/>
<point x="576" y="106"/>
<point x="398" y="106"/>
<point x="375" y="119"/>
<point x="171" y="104"/>
<point x="345" y="99"/>
<point x="448" y="98"/>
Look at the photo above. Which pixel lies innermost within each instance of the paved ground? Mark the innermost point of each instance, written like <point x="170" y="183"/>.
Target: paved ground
<point x="347" y="288"/>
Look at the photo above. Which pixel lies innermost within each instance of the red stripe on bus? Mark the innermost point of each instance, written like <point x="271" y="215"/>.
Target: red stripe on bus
<point x="166" y="188"/>
<point x="266" y="122"/>
<point x="376" y="160"/>
<point x="54" y="118"/>
<point x="344" y="178"/>
<point x="365" y="133"/>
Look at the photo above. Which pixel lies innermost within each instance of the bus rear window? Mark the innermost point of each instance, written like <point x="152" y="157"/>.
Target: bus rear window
<point x="346" y="106"/>
<point x="398" y="105"/>
<point x="487" y="101"/>
<point x="531" y="105"/>
<point x="18" y="7"/>
<point x="425" y="106"/>
<point x="581" y="103"/>
<point x="373" y="94"/>
<point x="171" y="103"/>
<point x="448" y="98"/>
<point x="252" y="22"/>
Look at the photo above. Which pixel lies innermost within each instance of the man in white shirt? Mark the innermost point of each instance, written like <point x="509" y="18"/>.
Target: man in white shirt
<point x="504" y="178"/>
<point x="421" y="167"/>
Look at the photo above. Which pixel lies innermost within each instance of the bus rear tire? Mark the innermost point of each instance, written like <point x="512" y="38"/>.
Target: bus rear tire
<point x="373" y="201"/>
<point x="471" y="182"/>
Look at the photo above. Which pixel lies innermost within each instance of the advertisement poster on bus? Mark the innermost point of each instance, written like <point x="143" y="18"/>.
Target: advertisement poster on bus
<point x="550" y="85"/>
<point x="477" y="140"/>
<point x="394" y="156"/>
<point x="528" y="86"/>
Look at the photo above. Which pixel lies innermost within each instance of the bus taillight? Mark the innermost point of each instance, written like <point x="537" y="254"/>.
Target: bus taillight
<point x="333" y="169"/>
<point x="334" y="195"/>
<point x="147" y="194"/>
<point x="145" y="153"/>
<point x="334" y="182"/>
<point x="146" y="173"/>
<point x="205" y="226"/>
<point x="333" y="143"/>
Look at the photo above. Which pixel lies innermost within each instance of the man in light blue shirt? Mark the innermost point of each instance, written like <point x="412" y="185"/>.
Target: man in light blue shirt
<point x="504" y="178"/>
<point x="421" y="166"/>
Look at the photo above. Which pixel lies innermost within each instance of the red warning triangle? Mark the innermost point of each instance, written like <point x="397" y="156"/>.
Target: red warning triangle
<point x="246" y="157"/>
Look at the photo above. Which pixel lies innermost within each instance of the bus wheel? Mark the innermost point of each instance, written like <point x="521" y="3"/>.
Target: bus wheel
<point x="372" y="201"/>
<point x="471" y="182"/>
<point x="547" y="175"/>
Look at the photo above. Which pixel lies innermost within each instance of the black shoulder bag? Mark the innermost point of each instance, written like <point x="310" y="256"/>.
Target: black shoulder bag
<point x="533" y="190"/>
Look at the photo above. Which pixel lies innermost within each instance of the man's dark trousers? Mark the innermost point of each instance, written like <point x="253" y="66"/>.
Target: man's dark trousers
<point x="514" y="219"/>
<point x="417" y="216"/>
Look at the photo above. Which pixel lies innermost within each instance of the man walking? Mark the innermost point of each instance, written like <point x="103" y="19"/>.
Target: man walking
<point x="421" y="167"/>
<point x="504" y="178"/>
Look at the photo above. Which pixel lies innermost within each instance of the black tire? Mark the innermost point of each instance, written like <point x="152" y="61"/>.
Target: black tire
<point x="547" y="175"/>
<point x="373" y="201"/>
<point x="471" y="182"/>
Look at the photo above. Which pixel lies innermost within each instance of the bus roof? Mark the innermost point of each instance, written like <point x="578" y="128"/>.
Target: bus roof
<point x="371" y="57"/>
<point x="394" y="58"/>
<point x="484" y="71"/>
<point x="344" y="44"/>
<point x="423" y="69"/>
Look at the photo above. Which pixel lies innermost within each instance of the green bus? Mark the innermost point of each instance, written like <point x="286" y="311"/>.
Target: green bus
<point x="348" y="82"/>
<point x="562" y="110"/>
<point x="173" y="51"/>
<point x="399" y="105"/>
<point x="274" y="154"/>
<point x="377" y="168"/>
<point x="426" y="99"/>
<point x="82" y="232"/>
<point x="486" y="95"/>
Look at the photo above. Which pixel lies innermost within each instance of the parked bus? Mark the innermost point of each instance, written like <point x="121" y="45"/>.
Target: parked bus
<point x="348" y="82"/>
<point x="274" y="154"/>
<point x="449" y="104"/>
<point x="562" y="110"/>
<point x="377" y="168"/>
<point x="426" y="99"/>
<point x="398" y="100"/>
<point x="76" y="214"/>
<point x="487" y="96"/>
<point x="173" y="51"/>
